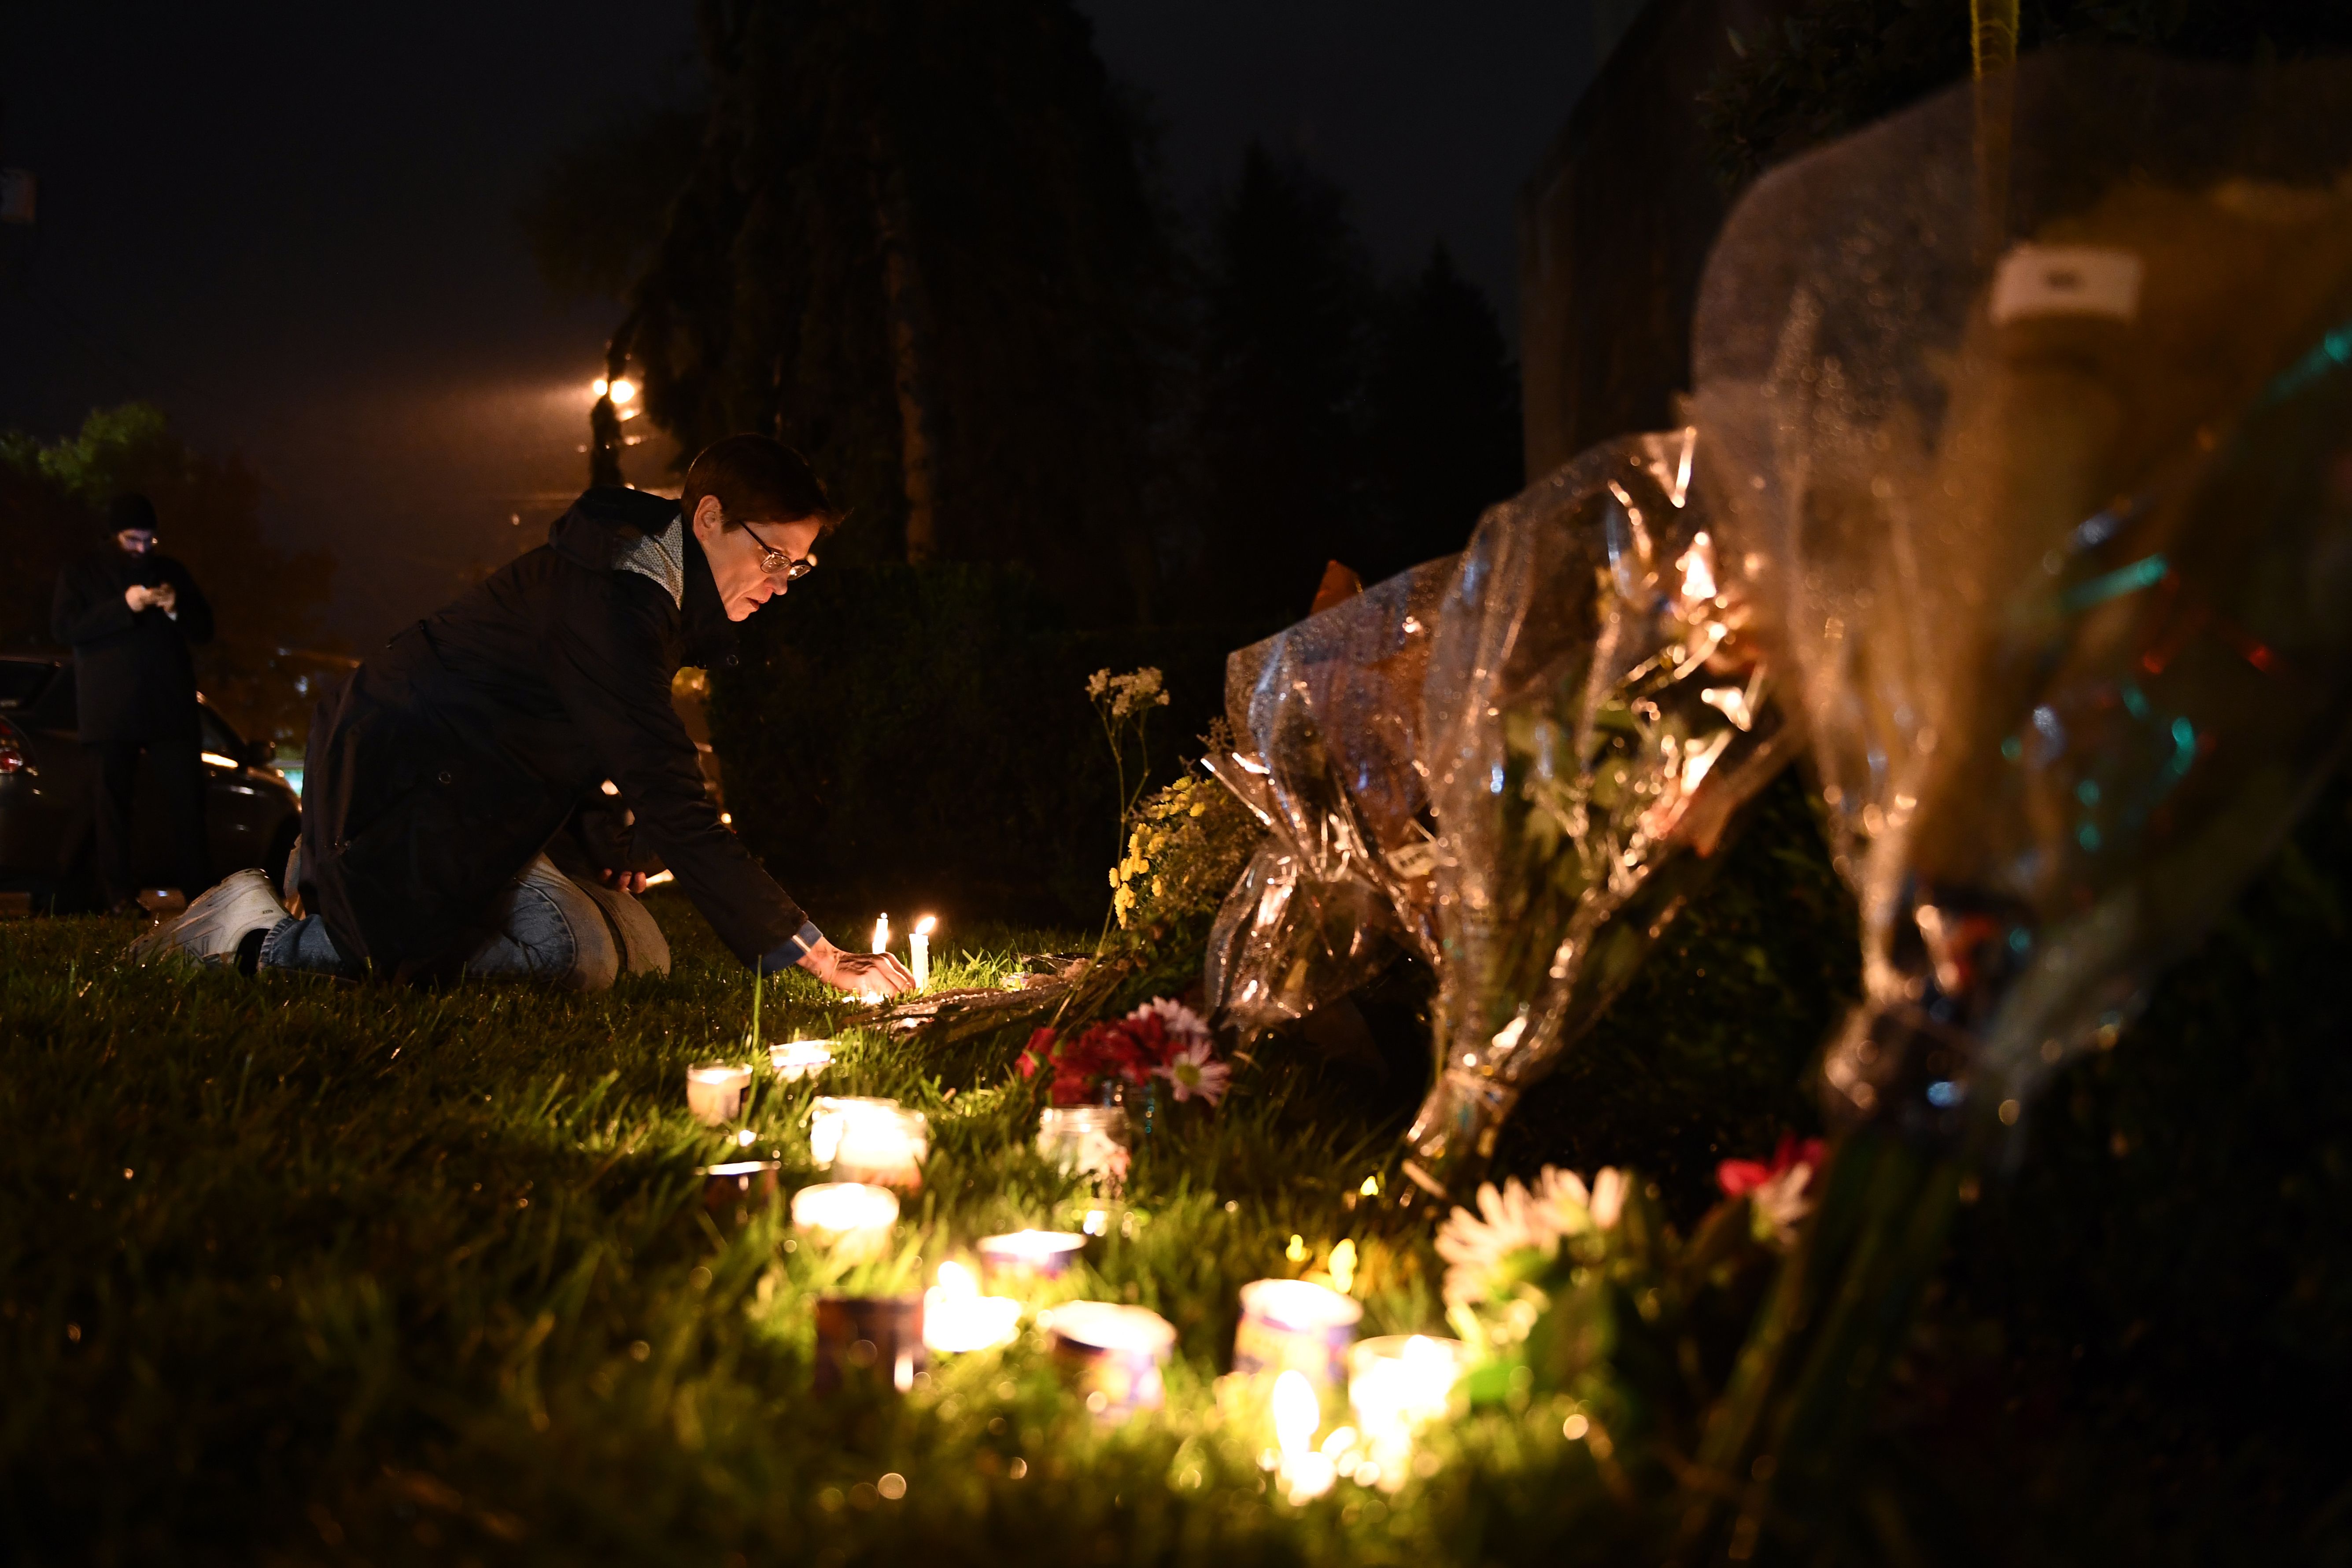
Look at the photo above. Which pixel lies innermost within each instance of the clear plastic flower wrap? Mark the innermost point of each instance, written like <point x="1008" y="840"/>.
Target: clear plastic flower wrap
<point x="1591" y="712"/>
<point x="2052" y="510"/>
<point x="1327" y="719"/>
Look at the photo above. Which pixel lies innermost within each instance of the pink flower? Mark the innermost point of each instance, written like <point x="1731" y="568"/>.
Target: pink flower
<point x="1182" y="1024"/>
<point x="1196" y="1070"/>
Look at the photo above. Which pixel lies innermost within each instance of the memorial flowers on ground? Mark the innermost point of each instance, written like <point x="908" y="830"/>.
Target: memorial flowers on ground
<point x="1161" y="1039"/>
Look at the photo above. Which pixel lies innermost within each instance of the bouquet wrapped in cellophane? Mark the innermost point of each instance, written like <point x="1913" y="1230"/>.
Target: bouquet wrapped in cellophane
<point x="1327" y="731"/>
<point x="1592" y="712"/>
<point x="2045" y="471"/>
<point x="2059" y="532"/>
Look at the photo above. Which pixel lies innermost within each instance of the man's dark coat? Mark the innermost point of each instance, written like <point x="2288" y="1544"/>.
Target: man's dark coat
<point x="449" y="760"/>
<point x="133" y="678"/>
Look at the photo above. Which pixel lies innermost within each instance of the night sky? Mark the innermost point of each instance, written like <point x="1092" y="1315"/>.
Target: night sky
<point x="293" y="226"/>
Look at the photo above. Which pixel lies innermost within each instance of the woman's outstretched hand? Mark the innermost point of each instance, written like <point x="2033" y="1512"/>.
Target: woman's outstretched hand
<point x="871" y="975"/>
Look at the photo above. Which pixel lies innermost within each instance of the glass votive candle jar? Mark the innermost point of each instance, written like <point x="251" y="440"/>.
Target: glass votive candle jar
<point x="1295" y="1325"/>
<point x="793" y="1060"/>
<point x="881" y="1335"/>
<point x="1113" y="1354"/>
<point x="829" y="1114"/>
<point x="1090" y="1139"/>
<point x="1028" y="1257"/>
<point x="849" y="1218"/>
<point x="739" y="1182"/>
<point x="884" y="1147"/>
<point x="714" y="1091"/>
<point x="1397" y="1381"/>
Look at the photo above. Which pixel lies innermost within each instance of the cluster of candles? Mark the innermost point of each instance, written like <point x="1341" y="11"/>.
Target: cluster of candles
<point x="1296" y="1354"/>
<point x="918" y="948"/>
<point x="1295" y="1349"/>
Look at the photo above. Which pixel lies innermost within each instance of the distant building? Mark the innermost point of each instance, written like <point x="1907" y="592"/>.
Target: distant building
<point x="1615" y="225"/>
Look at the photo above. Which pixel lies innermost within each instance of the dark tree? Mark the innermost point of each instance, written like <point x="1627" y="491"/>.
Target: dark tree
<point x="1286" y="341"/>
<point x="600" y="205"/>
<point x="1444" y="415"/>
<point x="918" y="243"/>
<point x="1834" y="66"/>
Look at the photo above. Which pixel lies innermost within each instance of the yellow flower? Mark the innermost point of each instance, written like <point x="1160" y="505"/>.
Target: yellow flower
<point x="1197" y="810"/>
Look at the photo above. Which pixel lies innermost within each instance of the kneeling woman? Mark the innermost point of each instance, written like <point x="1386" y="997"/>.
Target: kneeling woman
<point x="439" y="774"/>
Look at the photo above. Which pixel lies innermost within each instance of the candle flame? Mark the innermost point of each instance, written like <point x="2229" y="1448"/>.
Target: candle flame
<point x="1296" y="1413"/>
<point x="927" y="925"/>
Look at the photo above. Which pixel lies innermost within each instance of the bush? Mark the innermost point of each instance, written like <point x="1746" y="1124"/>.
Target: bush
<point x="899" y="735"/>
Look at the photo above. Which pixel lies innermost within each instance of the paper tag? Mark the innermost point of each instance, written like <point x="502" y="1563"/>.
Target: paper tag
<point x="2066" y="280"/>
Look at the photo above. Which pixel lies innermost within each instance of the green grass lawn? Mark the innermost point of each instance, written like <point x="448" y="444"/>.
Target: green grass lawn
<point x="295" y="1272"/>
<point x="301" y="1270"/>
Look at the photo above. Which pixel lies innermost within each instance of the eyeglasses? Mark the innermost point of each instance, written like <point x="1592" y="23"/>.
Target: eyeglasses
<point x="772" y="559"/>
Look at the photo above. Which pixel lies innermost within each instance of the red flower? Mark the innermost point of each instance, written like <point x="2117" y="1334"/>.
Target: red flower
<point x="1128" y="1050"/>
<point x="1738" y="1178"/>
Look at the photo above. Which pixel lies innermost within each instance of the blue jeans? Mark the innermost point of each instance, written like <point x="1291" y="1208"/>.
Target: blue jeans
<point x="545" y="927"/>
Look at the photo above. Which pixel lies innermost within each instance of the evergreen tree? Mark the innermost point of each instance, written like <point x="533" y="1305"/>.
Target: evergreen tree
<point x="919" y="244"/>
<point x="1833" y="66"/>
<point x="1286" y="339"/>
<point x="1444" y="409"/>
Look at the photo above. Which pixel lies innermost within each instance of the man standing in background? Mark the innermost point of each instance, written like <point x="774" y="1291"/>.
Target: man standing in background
<point x="129" y="613"/>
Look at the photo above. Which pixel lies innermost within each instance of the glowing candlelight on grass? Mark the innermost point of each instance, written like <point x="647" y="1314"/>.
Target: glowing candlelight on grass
<point x="882" y="933"/>
<point x="714" y="1091"/>
<point x="886" y="1147"/>
<point x="1295" y="1325"/>
<point x="1114" y="1353"/>
<point x="957" y="1317"/>
<point x="829" y="1113"/>
<point x="1398" y="1382"/>
<point x="1024" y="1257"/>
<point x="852" y="1219"/>
<point x="796" y="1059"/>
<point x="868" y="1140"/>
<point x="1306" y="1470"/>
<point x="918" y="950"/>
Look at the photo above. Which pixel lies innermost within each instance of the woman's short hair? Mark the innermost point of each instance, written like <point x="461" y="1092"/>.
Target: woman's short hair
<point x="758" y="478"/>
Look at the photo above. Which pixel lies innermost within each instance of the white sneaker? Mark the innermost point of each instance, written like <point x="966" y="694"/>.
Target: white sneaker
<point x="211" y="929"/>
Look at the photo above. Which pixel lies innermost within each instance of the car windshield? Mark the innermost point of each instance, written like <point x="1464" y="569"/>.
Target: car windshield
<point x="218" y="737"/>
<point x="21" y="681"/>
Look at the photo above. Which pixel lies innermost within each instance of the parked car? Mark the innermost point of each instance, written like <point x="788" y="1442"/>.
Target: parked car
<point x="252" y="815"/>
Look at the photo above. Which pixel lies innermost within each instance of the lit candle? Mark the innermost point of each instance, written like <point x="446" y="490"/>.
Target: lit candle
<point x="1024" y="1257"/>
<point x="1396" y="1382"/>
<point x="882" y="933"/>
<point x="714" y="1091"/>
<point x="1293" y="1325"/>
<point x="918" y="950"/>
<point x="850" y="1218"/>
<point x="957" y="1317"/>
<point x="869" y="1135"/>
<point x="796" y="1059"/>
<point x="884" y="1146"/>
<point x="881" y="1335"/>
<point x="1114" y="1353"/>
<point x="739" y="1182"/>
<point x="1297" y="1414"/>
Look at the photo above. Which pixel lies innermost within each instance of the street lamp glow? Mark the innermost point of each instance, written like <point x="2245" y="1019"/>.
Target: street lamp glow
<point x="623" y="389"/>
<point x="597" y="386"/>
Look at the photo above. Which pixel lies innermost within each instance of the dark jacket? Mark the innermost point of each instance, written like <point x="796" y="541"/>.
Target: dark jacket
<point x="450" y="759"/>
<point x="132" y="675"/>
